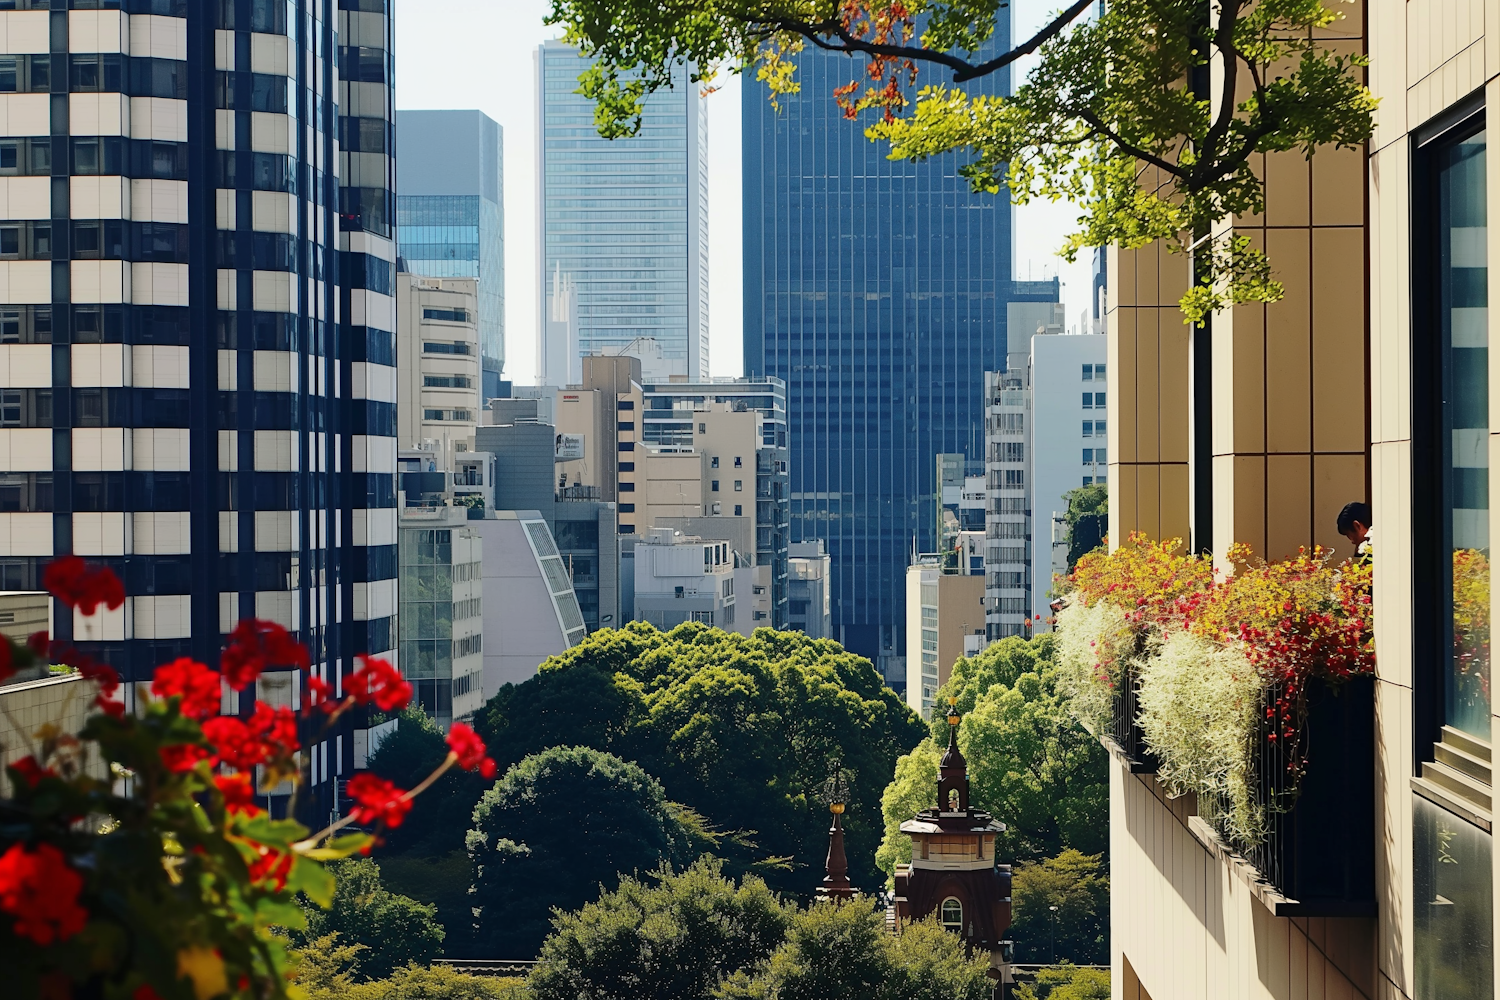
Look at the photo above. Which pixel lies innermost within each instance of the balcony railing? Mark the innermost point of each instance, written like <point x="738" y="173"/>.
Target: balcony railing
<point x="1129" y="743"/>
<point x="1319" y="848"/>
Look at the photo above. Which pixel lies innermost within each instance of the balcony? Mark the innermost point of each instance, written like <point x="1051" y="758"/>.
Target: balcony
<point x="1317" y="858"/>
<point x="1124" y="736"/>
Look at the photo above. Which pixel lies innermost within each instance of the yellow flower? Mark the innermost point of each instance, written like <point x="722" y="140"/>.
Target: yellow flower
<point x="205" y="968"/>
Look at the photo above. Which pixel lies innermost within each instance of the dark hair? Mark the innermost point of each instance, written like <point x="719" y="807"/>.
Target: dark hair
<point x="1354" y="511"/>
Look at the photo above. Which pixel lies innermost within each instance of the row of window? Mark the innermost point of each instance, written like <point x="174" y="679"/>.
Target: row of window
<point x="1093" y="400"/>
<point x="1094" y="428"/>
<point x="1092" y="373"/>
<point x="1092" y="456"/>
<point x="134" y="76"/>
<point x="739" y="485"/>
<point x="458" y="414"/>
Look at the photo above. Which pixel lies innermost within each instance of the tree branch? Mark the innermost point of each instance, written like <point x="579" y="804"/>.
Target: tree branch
<point x="1098" y="125"/>
<point x="963" y="70"/>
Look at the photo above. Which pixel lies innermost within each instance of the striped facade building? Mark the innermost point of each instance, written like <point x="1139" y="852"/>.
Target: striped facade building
<point x="197" y="324"/>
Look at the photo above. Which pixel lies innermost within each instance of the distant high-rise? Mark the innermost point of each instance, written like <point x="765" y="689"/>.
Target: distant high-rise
<point x="623" y="222"/>
<point x="450" y="214"/>
<point x="876" y="289"/>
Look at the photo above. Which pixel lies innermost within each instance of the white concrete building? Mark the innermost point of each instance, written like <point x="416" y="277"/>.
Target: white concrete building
<point x="681" y="578"/>
<point x="531" y="612"/>
<point x="809" y="607"/>
<point x="438" y="373"/>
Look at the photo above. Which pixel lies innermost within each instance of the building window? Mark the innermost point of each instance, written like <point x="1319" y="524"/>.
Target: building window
<point x="713" y="486"/>
<point x="625" y="404"/>
<point x="627" y="487"/>
<point x="713" y="463"/>
<point x="627" y="466"/>
<point x="627" y="445"/>
<point x="1088" y="428"/>
<point x="1088" y="456"/>
<point x="1453" y="912"/>
<point x="627" y="508"/>
<point x="738" y="462"/>
<point x="625" y="425"/>
<point x="702" y="428"/>
<point x="952" y="914"/>
<point x="1450" y="362"/>
<point x="739" y="485"/>
<point x="739" y="510"/>
<point x="1088" y="373"/>
<point x="447" y="315"/>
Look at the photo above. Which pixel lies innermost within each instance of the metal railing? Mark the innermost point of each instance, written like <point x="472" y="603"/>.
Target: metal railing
<point x="1124" y="730"/>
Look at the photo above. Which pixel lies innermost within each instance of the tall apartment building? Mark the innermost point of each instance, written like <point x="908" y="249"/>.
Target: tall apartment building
<point x="876" y="290"/>
<point x="450" y="215"/>
<point x="1007" y="528"/>
<point x="945" y="605"/>
<point x="808" y="608"/>
<point x="623" y="222"/>
<point x="197" y="325"/>
<point x="727" y="419"/>
<point x="438" y="366"/>
<point x="442" y="614"/>
<point x="599" y="443"/>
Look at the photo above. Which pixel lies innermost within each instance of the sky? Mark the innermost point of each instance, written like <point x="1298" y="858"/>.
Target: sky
<point x="461" y="54"/>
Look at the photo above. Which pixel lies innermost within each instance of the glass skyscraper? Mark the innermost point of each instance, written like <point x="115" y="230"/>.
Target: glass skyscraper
<point x="197" y="329"/>
<point x="876" y="290"/>
<point x="450" y="214"/>
<point x="625" y="221"/>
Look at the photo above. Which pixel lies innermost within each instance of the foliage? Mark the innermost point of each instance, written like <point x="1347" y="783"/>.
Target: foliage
<point x="843" y="952"/>
<point x="437" y="982"/>
<point x="1030" y="764"/>
<point x="162" y="878"/>
<point x="1066" y="983"/>
<point x="325" y="967"/>
<point x="443" y="882"/>
<point x="1075" y="883"/>
<point x="1128" y="89"/>
<point x="669" y="936"/>
<point x="559" y="825"/>
<point x="744" y="730"/>
<point x="1217" y="659"/>
<point x="405" y="757"/>
<point x="1087" y="518"/>
<point x="1198" y="702"/>
<point x="1471" y="626"/>
<point x="390" y="929"/>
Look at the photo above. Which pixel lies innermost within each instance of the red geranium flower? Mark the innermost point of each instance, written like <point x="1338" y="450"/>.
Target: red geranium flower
<point x="195" y="684"/>
<point x="40" y="889"/>
<point x="470" y="751"/>
<point x="238" y="791"/>
<point x="271" y="867"/>
<point x="379" y="800"/>
<point x="255" y="645"/>
<point x="381" y="683"/>
<point x="183" y="757"/>
<point x="277" y="728"/>
<point x="30" y="771"/>
<point x="236" y="744"/>
<point x="70" y="580"/>
<point x="322" y="695"/>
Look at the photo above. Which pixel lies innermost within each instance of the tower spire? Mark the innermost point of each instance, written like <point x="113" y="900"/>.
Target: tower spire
<point x="836" y="878"/>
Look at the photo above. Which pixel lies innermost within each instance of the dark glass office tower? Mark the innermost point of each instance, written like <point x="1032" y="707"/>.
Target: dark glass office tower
<point x="450" y="215"/>
<point x="197" y="329"/>
<point x="876" y="289"/>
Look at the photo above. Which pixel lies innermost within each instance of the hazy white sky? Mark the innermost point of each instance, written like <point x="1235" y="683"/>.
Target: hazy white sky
<point x="480" y="54"/>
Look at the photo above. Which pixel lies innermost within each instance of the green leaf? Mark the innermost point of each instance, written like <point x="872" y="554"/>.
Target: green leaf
<point x="340" y="847"/>
<point x="311" y="878"/>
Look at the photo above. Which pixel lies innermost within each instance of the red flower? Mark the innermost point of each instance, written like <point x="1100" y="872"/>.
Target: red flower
<point x="182" y="757"/>
<point x="469" y="749"/>
<point x="236" y="744"/>
<point x="195" y="684"/>
<point x="381" y="683"/>
<point x="379" y="800"/>
<point x="110" y="707"/>
<point x="70" y="580"/>
<point x="40" y="890"/>
<point x="271" y="867"/>
<point x="238" y="791"/>
<point x="255" y="645"/>
<point x="277" y="728"/>
<point x="30" y="771"/>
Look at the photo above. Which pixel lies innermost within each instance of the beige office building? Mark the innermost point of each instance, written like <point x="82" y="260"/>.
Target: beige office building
<point x="437" y="363"/>
<point x="1371" y="380"/>
<point x="944" y="621"/>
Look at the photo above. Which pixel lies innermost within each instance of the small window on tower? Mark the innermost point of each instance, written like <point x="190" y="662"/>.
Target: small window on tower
<point x="952" y="914"/>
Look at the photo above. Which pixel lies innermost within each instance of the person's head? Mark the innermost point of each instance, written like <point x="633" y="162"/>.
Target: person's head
<point x="1354" y="521"/>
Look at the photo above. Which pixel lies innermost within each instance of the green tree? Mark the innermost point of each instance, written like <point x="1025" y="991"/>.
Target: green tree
<point x="1088" y="520"/>
<point x="415" y="982"/>
<point x="1075" y="883"/>
<point x="389" y="930"/>
<point x="554" y="829"/>
<point x="833" y="952"/>
<point x="744" y="730"/>
<point x="1127" y="88"/>
<point x="1066" y="983"/>
<point x="1030" y="763"/>
<point x="325" y="967"/>
<point x="669" y="937"/>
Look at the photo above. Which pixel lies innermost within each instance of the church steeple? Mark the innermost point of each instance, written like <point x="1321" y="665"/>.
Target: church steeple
<point x="953" y="771"/>
<point x="836" y="884"/>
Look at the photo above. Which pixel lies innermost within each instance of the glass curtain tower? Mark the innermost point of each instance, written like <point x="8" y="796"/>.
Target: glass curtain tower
<point x="451" y="218"/>
<point x="196" y="261"/>
<point x="876" y="289"/>
<point x="625" y="221"/>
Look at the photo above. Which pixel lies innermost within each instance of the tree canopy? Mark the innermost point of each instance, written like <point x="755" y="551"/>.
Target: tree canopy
<point x="1078" y="930"/>
<point x="554" y="829"/>
<point x="382" y="929"/>
<point x="744" y="730"/>
<point x="1121" y="114"/>
<point x="1087" y="518"/>
<point x="1030" y="763"/>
